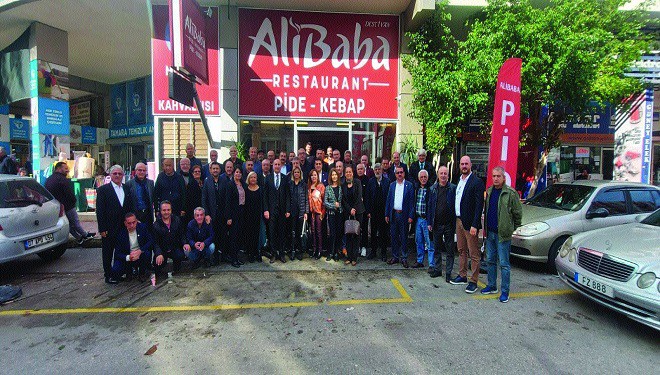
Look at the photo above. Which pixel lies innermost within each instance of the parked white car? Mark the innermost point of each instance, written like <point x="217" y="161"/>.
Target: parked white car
<point x="31" y="220"/>
<point x="618" y="267"/>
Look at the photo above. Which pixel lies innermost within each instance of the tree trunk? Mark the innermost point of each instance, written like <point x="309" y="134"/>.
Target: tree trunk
<point x="538" y="172"/>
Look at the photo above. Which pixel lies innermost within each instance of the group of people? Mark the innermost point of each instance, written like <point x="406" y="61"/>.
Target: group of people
<point x="291" y="204"/>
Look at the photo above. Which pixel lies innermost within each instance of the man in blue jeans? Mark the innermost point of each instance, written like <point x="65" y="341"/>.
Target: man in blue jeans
<point x="503" y="214"/>
<point x="423" y="215"/>
<point x="200" y="239"/>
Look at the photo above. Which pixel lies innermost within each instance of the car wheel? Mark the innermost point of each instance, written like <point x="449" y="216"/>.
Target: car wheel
<point x="552" y="254"/>
<point x="53" y="254"/>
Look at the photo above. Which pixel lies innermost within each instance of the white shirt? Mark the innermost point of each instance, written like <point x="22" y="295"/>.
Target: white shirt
<point x="398" y="196"/>
<point x="459" y="193"/>
<point x="133" y="243"/>
<point x="119" y="190"/>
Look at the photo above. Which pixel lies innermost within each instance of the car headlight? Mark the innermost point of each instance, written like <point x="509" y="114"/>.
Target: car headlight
<point x="532" y="229"/>
<point x="658" y="287"/>
<point x="646" y="280"/>
<point x="572" y="255"/>
<point x="566" y="247"/>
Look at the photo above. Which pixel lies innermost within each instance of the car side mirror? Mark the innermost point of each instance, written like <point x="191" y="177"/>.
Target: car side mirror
<point x="599" y="212"/>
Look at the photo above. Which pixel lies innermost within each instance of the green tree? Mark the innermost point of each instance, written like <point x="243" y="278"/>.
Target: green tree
<point x="573" y="51"/>
<point x="432" y="67"/>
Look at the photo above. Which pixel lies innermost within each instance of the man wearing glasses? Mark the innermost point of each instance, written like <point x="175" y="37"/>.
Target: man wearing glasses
<point x="113" y="202"/>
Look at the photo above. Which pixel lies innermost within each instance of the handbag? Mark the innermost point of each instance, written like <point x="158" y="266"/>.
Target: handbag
<point x="352" y="226"/>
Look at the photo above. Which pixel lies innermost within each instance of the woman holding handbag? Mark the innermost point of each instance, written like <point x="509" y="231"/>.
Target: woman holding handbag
<point x="297" y="209"/>
<point x="332" y="202"/>
<point x="353" y="209"/>
<point x="316" y="194"/>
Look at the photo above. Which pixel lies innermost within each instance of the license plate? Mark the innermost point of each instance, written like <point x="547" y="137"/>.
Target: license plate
<point x="39" y="241"/>
<point x="594" y="285"/>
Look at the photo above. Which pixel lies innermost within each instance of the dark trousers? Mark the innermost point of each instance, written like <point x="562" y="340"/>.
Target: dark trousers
<point x="399" y="231"/>
<point x="443" y="241"/>
<point x="379" y="234"/>
<point x="177" y="256"/>
<point x="277" y="233"/>
<point x="364" y="231"/>
<point x="217" y="237"/>
<point x="316" y="225"/>
<point x="120" y="266"/>
<point x="296" y="231"/>
<point x="236" y="235"/>
<point x="145" y="217"/>
<point x="336" y="224"/>
<point x="107" y="250"/>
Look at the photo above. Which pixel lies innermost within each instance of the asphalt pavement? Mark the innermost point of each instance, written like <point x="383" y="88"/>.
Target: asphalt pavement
<point x="306" y="317"/>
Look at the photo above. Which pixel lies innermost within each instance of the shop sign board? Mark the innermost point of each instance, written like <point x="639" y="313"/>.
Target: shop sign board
<point x="161" y="61"/>
<point x="145" y="130"/>
<point x="136" y="102"/>
<point x="19" y="129"/>
<point x="582" y="152"/>
<point x="88" y="135"/>
<point x="188" y="25"/>
<point x="632" y="140"/>
<point x="118" y="102"/>
<point x="318" y="65"/>
<point x="52" y="116"/>
<point x="79" y="113"/>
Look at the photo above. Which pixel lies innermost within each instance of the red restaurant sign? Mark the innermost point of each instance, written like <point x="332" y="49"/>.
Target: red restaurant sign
<point x="318" y="65"/>
<point x="189" y="38"/>
<point x="161" y="60"/>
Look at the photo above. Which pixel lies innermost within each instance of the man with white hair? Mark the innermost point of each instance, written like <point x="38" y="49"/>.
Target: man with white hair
<point x="237" y="163"/>
<point x="421" y="164"/>
<point x="184" y="169"/>
<point x="142" y="192"/>
<point x="113" y="202"/>
<point x="424" y="209"/>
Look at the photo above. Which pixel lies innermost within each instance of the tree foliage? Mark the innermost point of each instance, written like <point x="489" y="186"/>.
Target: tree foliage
<point x="573" y="52"/>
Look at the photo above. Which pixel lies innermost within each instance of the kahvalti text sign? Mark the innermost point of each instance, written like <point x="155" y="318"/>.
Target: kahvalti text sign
<point x="318" y="65"/>
<point x="161" y="61"/>
<point x="189" y="38"/>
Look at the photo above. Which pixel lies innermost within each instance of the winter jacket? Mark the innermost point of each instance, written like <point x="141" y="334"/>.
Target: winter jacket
<point x="58" y="185"/>
<point x="297" y="204"/>
<point x="509" y="212"/>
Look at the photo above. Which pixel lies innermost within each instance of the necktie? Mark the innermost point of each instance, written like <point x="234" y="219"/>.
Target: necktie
<point x="421" y="165"/>
<point x="277" y="181"/>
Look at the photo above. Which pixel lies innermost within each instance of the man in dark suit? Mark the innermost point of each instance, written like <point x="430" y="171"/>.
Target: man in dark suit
<point x="133" y="249"/>
<point x="113" y="201"/>
<point x="377" y="190"/>
<point x="170" y="186"/>
<point x="399" y="212"/>
<point x="265" y="171"/>
<point x="275" y="199"/>
<point x="443" y="222"/>
<point x="142" y="194"/>
<point x="206" y="169"/>
<point x="396" y="162"/>
<point x="469" y="205"/>
<point x="420" y="164"/>
<point x="212" y="195"/>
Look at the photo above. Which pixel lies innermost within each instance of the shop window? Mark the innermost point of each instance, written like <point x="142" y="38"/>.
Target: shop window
<point x="643" y="201"/>
<point x="176" y="135"/>
<point x="614" y="201"/>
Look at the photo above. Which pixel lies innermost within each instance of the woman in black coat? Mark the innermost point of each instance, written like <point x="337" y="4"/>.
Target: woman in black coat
<point x="297" y="209"/>
<point x="253" y="214"/>
<point x="193" y="193"/>
<point x="353" y="209"/>
<point x="235" y="215"/>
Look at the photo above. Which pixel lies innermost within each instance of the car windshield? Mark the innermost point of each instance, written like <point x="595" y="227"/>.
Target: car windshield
<point x="653" y="219"/>
<point x="562" y="197"/>
<point x="22" y="193"/>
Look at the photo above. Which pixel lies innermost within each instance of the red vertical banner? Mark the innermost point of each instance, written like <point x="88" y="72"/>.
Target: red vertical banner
<point x="505" y="136"/>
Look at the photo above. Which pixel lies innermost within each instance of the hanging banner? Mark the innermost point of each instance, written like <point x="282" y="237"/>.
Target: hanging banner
<point x="506" y="122"/>
<point x="188" y="25"/>
<point x="135" y="102"/>
<point x="161" y="61"/>
<point x="632" y="140"/>
<point x="318" y="65"/>
<point x="19" y="129"/>
<point x="118" y="102"/>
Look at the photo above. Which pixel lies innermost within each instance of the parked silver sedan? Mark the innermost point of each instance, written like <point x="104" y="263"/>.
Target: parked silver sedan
<point x="564" y="209"/>
<point x="31" y="220"/>
<point x="618" y="267"/>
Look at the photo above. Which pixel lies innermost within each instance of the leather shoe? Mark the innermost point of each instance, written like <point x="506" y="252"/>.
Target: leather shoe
<point x="111" y="280"/>
<point x="435" y="273"/>
<point x="283" y="259"/>
<point x="272" y="260"/>
<point x="235" y="264"/>
<point x="418" y="265"/>
<point x="392" y="261"/>
<point x="404" y="263"/>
